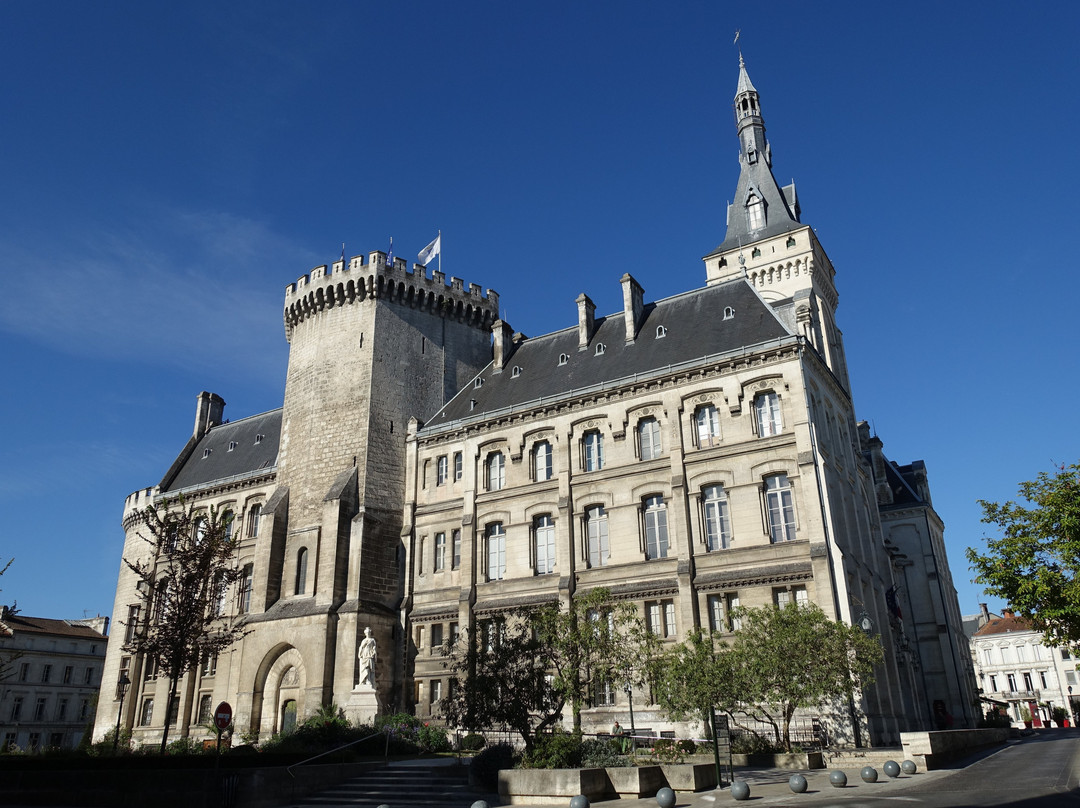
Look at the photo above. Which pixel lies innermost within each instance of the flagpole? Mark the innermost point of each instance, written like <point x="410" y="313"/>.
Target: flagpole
<point x="440" y="250"/>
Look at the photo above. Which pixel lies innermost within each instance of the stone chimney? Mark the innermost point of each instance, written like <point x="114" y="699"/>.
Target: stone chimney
<point x="208" y="412"/>
<point x="504" y="344"/>
<point x="984" y="614"/>
<point x="633" y="304"/>
<point x="586" y="321"/>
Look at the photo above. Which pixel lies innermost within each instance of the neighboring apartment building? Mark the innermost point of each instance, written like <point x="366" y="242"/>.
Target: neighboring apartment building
<point x="47" y="699"/>
<point x="692" y="454"/>
<point x="1016" y="671"/>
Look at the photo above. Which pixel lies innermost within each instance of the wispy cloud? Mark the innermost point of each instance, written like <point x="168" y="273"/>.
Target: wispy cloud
<point x="187" y="283"/>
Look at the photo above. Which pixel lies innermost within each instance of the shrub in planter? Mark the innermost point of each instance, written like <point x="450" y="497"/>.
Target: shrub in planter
<point x="559" y="750"/>
<point x="484" y="769"/>
<point x="473" y="742"/>
<point x="597" y="754"/>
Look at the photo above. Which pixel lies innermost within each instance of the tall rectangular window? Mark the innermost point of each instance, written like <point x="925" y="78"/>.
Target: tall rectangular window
<point x="597" y="536"/>
<point x="656" y="535"/>
<point x="16" y="708"/>
<point x="731" y="601"/>
<point x="767" y="412"/>
<point x="542" y="461"/>
<point x="544" y="538"/>
<point x="716" y="613"/>
<point x="455" y="561"/>
<point x="440" y="552"/>
<point x="458" y="466"/>
<point x="253" y="520"/>
<point x="779" y="509"/>
<point x="436" y="636"/>
<point x="205" y="708"/>
<point x="46" y="673"/>
<point x="146" y="714"/>
<point x="442" y="469"/>
<point x="496" y="551"/>
<point x="594" y="450"/>
<point x="61" y="710"/>
<point x="707" y="422"/>
<point x="132" y="624"/>
<point x="246" y="580"/>
<point x="496" y="471"/>
<point x="69" y="670"/>
<point x="660" y="617"/>
<point x="714" y="503"/>
<point x="39" y="708"/>
<point x="24" y="671"/>
<point x="649" y="438"/>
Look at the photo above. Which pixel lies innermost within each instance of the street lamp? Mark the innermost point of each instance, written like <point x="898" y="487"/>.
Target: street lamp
<point x="1072" y="713"/>
<point x="628" y="688"/>
<point x="121" y="687"/>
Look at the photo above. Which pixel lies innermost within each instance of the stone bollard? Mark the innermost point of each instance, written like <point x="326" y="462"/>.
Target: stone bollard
<point x="580" y="801"/>
<point x="480" y="804"/>
<point x="891" y="768"/>
<point x="868" y="774"/>
<point x="908" y="767"/>
<point x="665" y="798"/>
<point x="837" y="778"/>
<point x="797" y="783"/>
<point x="740" y="790"/>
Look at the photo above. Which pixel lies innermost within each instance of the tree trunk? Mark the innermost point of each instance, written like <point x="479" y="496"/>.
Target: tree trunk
<point x="168" y="712"/>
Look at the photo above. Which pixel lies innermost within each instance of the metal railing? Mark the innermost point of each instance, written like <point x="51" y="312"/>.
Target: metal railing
<point x="386" y="751"/>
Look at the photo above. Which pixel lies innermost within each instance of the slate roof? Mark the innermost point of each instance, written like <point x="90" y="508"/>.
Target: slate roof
<point x="44" y="625"/>
<point x="197" y="467"/>
<point x="695" y="328"/>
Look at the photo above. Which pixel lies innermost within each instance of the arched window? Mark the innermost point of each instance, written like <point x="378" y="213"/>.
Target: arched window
<point x="655" y="521"/>
<point x="496" y="471"/>
<point x="714" y="504"/>
<point x="649" y="438"/>
<point x="779" y="508"/>
<point x="246" y="580"/>
<point x="597" y="536"/>
<point x="254" y="512"/>
<point x="767" y="413"/>
<point x="707" y="422"/>
<point x="594" y="450"/>
<point x="496" y="551"/>
<point x="544" y="544"/>
<point x="542" y="461"/>
<point x="301" y="571"/>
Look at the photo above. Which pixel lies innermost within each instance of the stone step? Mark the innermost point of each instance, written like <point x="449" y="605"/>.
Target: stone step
<point x="400" y="787"/>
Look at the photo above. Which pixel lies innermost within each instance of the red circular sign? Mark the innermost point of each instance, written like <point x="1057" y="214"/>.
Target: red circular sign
<point x="223" y="716"/>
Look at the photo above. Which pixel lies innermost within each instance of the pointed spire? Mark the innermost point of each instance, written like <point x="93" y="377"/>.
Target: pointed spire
<point x="744" y="79"/>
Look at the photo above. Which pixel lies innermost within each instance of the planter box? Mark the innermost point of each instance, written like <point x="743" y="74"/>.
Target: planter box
<point x="551" y="786"/>
<point x="793" y="761"/>
<point x="637" y="781"/>
<point x="690" y="776"/>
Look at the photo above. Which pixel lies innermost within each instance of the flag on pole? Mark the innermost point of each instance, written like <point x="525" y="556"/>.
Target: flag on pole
<point x="390" y="254"/>
<point x="430" y="251"/>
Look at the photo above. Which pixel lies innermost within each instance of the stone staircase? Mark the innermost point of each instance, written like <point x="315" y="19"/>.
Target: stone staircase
<point x="405" y="784"/>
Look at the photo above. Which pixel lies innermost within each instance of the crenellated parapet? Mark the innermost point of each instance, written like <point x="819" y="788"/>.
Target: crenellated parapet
<point x="343" y="284"/>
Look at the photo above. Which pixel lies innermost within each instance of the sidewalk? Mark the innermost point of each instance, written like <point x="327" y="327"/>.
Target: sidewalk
<point x="770" y="787"/>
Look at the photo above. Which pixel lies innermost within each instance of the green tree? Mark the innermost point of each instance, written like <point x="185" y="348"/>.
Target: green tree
<point x="693" y="677"/>
<point x="504" y="672"/>
<point x="1034" y="566"/>
<point x="521" y="669"/>
<point x="784" y="659"/>
<point x="183" y="583"/>
<point x="599" y="642"/>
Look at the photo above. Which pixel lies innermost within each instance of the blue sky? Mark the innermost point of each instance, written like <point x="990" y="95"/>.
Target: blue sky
<point x="168" y="168"/>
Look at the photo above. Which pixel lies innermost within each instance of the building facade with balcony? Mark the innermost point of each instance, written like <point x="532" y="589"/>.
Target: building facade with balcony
<point x="47" y="700"/>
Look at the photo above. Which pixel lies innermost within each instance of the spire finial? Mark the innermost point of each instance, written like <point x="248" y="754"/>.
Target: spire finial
<point x="738" y="33"/>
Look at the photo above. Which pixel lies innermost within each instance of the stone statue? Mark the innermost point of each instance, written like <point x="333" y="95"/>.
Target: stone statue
<point x="367" y="655"/>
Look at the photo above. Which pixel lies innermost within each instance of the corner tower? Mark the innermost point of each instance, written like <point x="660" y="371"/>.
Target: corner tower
<point x="766" y="241"/>
<point x="371" y="345"/>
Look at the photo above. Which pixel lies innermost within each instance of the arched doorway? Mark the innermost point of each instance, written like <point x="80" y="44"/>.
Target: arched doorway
<point x="278" y="703"/>
<point x="288" y="716"/>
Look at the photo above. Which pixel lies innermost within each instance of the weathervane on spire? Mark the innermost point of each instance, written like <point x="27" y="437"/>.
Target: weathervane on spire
<point x="738" y="33"/>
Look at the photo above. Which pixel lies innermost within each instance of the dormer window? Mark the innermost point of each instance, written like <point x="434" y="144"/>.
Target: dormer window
<point x="258" y="439"/>
<point x="600" y="348"/>
<point x="206" y="452"/>
<point x="661" y="332"/>
<point x="563" y="359"/>
<point x="791" y="241"/>
<point x="477" y="383"/>
<point x="729" y="313"/>
<point x="515" y="372"/>
<point x="755" y="212"/>
<point x="232" y="445"/>
<point x="755" y="253"/>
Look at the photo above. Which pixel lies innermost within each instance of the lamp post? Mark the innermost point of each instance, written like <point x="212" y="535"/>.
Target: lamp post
<point x="1072" y="713"/>
<point x="121" y="686"/>
<point x="629" y="689"/>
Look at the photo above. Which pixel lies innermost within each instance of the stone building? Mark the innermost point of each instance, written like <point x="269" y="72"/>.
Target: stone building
<point x="431" y="467"/>
<point x="1016" y="671"/>
<point x="53" y="675"/>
